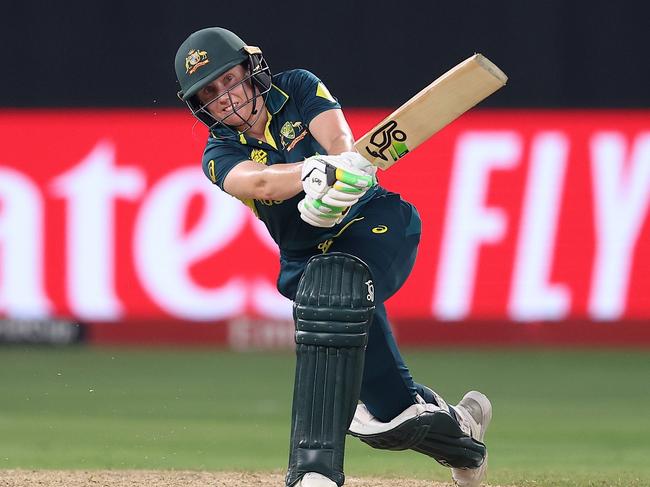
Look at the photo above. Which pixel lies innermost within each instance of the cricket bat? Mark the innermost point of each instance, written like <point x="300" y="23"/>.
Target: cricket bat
<point x="437" y="105"/>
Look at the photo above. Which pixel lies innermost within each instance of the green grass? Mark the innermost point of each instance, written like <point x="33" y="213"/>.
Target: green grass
<point x="561" y="418"/>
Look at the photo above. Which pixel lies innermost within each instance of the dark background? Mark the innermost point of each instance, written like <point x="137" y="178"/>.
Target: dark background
<point x="557" y="53"/>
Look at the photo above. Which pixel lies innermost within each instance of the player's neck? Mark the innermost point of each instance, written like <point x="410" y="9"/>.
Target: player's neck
<point x="259" y="127"/>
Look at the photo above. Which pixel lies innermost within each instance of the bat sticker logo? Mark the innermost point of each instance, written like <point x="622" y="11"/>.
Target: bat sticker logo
<point x="388" y="137"/>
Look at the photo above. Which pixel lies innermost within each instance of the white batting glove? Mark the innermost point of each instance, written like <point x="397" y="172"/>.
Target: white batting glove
<point x="345" y="173"/>
<point x="342" y="195"/>
<point x="319" y="214"/>
<point x="317" y="176"/>
<point x="357" y="161"/>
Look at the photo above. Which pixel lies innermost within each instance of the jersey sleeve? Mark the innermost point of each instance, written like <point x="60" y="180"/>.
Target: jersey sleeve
<point x="312" y="96"/>
<point x="220" y="157"/>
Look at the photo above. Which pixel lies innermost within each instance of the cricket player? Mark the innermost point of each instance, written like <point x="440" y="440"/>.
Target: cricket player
<point x="281" y="144"/>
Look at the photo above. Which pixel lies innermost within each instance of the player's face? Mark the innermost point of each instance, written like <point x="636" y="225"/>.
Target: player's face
<point x="228" y="97"/>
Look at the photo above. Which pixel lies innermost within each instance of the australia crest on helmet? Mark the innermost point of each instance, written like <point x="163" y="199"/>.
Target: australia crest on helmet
<point x="195" y="59"/>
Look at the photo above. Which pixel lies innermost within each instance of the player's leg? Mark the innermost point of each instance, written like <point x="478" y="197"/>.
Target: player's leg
<point x="387" y="234"/>
<point x="453" y="440"/>
<point x="391" y="417"/>
<point x="386" y="231"/>
<point x="387" y="388"/>
<point x="396" y="412"/>
<point x="333" y="310"/>
<point x="388" y="391"/>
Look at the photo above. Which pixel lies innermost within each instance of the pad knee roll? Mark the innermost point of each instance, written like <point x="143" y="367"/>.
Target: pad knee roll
<point x="334" y="302"/>
<point x="333" y="311"/>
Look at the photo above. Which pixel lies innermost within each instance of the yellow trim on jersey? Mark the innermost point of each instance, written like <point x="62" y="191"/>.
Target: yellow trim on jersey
<point x="242" y="139"/>
<point x="324" y="246"/>
<point x="211" y="172"/>
<point x="267" y="133"/>
<point x="347" y="225"/>
<point x="323" y="92"/>
<point x="286" y="97"/>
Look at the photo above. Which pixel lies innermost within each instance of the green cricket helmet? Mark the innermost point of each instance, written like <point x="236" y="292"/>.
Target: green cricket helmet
<point x="207" y="54"/>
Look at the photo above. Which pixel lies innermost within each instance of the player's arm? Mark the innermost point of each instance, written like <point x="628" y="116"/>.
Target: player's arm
<point x="331" y="130"/>
<point x="283" y="181"/>
<point x="337" y="181"/>
<point x="250" y="179"/>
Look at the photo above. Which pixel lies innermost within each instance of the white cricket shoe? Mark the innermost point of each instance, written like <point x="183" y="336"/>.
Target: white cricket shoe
<point x="474" y="416"/>
<point x="313" y="479"/>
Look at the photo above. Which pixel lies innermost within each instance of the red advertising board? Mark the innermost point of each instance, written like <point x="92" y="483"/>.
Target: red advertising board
<point x="528" y="217"/>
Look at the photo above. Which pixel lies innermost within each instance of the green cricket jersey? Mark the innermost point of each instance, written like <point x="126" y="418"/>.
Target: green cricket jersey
<point x="296" y="97"/>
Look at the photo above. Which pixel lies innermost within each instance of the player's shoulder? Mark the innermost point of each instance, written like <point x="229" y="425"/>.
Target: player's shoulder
<point x="218" y="145"/>
<point x="294" y="78"/>
<point x="214" y="142"/>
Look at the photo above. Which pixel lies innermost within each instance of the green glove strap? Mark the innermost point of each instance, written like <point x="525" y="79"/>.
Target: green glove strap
<point x="356" y="180"/>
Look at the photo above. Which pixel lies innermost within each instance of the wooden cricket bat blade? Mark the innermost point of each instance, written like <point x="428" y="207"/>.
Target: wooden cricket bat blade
<point x="437" y="105"/>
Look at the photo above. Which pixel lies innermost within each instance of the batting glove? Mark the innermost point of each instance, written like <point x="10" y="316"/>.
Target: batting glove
<point x="319" y="214"/>
<point x="345" y="173"/>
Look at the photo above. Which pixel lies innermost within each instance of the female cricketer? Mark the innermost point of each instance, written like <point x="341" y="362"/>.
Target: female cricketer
<point x="281" y="144"/>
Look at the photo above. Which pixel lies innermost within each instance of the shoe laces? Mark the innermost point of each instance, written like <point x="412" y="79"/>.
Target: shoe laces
<point x="467" y="423"/>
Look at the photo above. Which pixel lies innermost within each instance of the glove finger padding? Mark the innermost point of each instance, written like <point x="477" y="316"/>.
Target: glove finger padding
<point x="357" y="161"/>
<point x="319" y="214"/>
<point x="347" y="189"/>
<point x="355" y="178"/>
<point x="342" y="195"/>
<point x="315" y="221"/>
<point x="318" y="208"/>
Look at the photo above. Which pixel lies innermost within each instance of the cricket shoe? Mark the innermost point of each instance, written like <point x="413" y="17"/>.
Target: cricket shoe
<point x="474" y="413"/>
<point x="313" y="479"/>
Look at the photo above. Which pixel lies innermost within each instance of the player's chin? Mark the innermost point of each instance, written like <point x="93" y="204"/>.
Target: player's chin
<point x="240" y="116"/>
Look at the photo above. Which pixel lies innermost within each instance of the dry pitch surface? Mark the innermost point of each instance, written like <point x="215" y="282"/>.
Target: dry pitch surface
<point x="45" y="478"/>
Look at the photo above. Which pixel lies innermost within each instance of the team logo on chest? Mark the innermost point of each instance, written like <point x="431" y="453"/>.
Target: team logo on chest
<point x="291" y="133"/>
<point x="287" y="131"/>
<point x="259" y="155"/>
